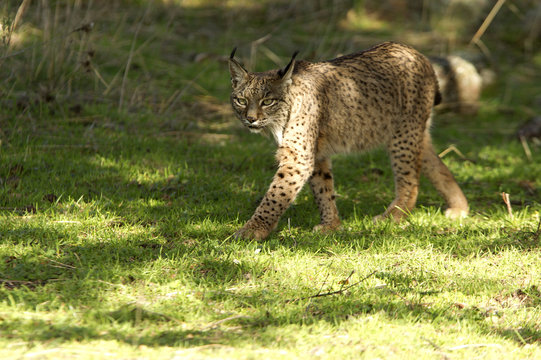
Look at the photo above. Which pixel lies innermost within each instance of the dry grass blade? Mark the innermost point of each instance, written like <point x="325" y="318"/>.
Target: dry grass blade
<point x="19" y="15"/>
<point x="271" y="55"/>
<point x="484" y="26"/>
<point x="254" y="46"/>
<point x="130" y="57"/>
<point x="58" y="264"/>
<point x="177" y="94"/>
<point x="507" y="202"/>
<point x="7" y="33"/>
<point x="454" y="149"/>
<point x="526" y="148"/>
<point x="451" y="148"/>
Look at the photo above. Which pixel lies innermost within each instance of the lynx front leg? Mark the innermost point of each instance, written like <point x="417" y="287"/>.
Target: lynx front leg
<point x="322" y="186"/>
<point x="293" y="171"/>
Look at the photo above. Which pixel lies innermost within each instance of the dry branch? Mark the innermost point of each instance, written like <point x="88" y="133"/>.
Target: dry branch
<point x="336" y="292"/>
<point x="487" y="22"/>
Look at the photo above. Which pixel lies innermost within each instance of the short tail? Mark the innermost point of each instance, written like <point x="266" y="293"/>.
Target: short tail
<point x="437" y="97"/>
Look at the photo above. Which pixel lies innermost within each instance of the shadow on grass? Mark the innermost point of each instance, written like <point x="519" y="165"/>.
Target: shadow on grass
<point x="40" y="331"/>
<point x="404" y="303"/>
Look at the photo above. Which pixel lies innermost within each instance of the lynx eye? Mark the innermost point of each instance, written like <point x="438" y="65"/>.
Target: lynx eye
<point x="268" y="102"/>
<point x="240" y="101"/>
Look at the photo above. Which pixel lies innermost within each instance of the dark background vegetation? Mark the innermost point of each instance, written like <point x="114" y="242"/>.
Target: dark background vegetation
<point x="100" y="66"/>
<point x="160" y="55"/>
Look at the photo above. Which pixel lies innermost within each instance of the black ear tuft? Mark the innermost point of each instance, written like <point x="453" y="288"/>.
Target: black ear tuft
<point x="237" y="71"/>
<point x="284" y="71"/>
<point x="233" y="53"/>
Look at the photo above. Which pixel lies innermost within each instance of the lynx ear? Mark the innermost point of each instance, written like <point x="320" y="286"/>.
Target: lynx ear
<point x="238" y="73"/>
<point x="285" y="73"/>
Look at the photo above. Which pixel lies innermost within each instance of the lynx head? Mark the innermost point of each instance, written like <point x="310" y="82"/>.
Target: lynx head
<point x="260" y="99"/>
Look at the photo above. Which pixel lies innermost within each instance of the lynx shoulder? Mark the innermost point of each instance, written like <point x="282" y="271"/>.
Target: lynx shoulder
<point x="382" y="96"/>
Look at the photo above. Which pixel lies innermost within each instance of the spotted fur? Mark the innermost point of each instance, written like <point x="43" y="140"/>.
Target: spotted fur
<point x="382" y="96"/>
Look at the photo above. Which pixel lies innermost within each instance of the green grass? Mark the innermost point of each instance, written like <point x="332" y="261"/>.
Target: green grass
<point x="116" y="222"/>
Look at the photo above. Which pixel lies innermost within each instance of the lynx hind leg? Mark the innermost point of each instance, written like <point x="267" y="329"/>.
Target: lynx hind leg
<point x="444" y="182"/>
<point x="322" y="186"/>
<point x="405" y="153"/>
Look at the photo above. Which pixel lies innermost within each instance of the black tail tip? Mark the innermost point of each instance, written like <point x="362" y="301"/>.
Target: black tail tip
<point x="437" y="98"/>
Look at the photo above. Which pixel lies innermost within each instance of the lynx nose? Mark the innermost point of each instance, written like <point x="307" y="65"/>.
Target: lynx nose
<point x="251" y="119"/>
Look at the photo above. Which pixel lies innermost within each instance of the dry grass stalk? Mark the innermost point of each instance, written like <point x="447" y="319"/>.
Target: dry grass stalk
<point x="488" y="20"/>
<point x="526" y="148"/>
<point x="19" y="15"/>
<point x="129" y="61"/>
<point x="507" y="202"/>
<point x="454" y="149"/>
<point x="253" y="48"/>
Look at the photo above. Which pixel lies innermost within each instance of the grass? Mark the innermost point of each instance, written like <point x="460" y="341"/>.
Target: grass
<point x="122" y="179"/>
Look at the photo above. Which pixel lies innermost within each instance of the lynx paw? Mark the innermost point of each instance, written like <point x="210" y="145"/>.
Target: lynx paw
<point x="327" y="228"/>
<point x="251" y="231"/>
<point x="456" y="213"/>
<point x="395" y="216"/>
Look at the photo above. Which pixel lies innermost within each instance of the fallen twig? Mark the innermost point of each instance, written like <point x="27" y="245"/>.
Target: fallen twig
<point x="465" y="346"/>
<point x="336" y="292"/>
<point x="346" y="281"/>
<point x="217" y="323"/>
